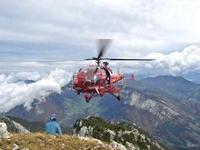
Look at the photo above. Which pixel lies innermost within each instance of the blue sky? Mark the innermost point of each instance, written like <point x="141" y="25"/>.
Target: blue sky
<point x="67" y="29"/>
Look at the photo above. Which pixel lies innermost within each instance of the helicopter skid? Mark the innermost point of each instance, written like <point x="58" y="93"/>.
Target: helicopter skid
<point x="89" y="94"/>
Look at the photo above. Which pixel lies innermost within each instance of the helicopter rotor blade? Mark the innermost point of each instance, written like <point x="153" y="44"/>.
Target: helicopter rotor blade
<point x="126" y="59"/>
<point x="102" y="46"/>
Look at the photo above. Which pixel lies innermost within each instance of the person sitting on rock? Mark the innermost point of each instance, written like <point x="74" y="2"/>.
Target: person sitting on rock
<point x="52" y="126"/>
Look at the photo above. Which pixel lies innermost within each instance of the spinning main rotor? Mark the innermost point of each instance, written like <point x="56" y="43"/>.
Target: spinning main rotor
<point x="103" y="44"/>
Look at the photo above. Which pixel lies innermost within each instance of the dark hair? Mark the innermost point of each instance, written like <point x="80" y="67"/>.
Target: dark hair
<point x="52" y="119"/>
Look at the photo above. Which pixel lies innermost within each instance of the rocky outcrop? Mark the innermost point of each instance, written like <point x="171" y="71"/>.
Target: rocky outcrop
<point x="156" y="106"/>
<point x="13" y="126"/>
<point x="119" y="135"/>
<point x="3" y="131"/>
<point x="20" y="128"/>
<point x="114" y="145"/>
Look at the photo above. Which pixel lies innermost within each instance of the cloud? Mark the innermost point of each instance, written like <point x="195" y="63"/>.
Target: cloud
<point x="67" y="29"/>
<point x="42" y="66"/>
<point x="20" y="76"/>
<point x="14" y="92"/>
<point x="57" y="29"/>
<point x="176" y="62"/>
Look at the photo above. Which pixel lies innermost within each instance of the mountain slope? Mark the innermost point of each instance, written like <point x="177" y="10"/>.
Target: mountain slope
<point x="173" y="87"/>
<point x="162" y="106"/>
<point x="129" y="135"/>
<point x="13" y="126"/>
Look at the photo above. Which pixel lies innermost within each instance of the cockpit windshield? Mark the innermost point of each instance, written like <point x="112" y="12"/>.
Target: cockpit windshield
<point x="91" y="74"/>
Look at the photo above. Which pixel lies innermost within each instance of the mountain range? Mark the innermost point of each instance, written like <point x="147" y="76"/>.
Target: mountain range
<point x="166" y="107"/>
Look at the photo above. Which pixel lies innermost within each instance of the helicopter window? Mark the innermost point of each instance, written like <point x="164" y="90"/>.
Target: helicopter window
<point x="90" y="74"/>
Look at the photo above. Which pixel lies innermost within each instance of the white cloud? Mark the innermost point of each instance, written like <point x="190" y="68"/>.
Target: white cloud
<point x="141" y="25"/>
<point x="41" y="66"/>
<point x="13" y="93"/>
<point x="20" y="76"/>
<point x="177" y="62"/>
<point x="67" y="29"/>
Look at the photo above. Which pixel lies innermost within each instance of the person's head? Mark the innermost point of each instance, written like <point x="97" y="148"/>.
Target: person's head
<point x="105" y="63"/>
<point x="52" y="117"/>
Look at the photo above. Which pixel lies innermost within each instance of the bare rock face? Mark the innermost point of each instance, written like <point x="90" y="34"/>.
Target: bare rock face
<point x="12" y="126"/>
<point x="3" y="131"/>
<point x="84" y="131"/>
<point x="118" y="146"/>
<point x="20" y="128"/>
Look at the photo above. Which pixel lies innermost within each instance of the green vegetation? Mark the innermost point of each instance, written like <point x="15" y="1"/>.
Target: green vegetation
<point x="121" y="133"/>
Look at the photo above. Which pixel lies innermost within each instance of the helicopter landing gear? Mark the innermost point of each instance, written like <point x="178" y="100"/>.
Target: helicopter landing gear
<point x="119" y="98"/>
<point x="87" y="100"/>
<point x="88" y="97"/>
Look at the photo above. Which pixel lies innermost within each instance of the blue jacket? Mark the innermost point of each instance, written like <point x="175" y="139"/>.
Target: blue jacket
<point x="52" y="127"/>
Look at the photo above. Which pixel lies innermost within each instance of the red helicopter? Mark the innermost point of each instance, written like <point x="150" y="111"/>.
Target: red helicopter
<point x="99" y="79"/>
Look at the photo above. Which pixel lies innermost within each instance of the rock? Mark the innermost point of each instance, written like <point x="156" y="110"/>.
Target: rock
<point x="117" y="146"/>
<point x="20" y="128"/>
<point x="3" y="131"/>
<point x="99" y="143"/>
<point x="112" y="134"/>
<point x="12" y="126"/>
<point x="83" y="131"/>
<point x="130" y="146"/>
<point x="16" y="147"/>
